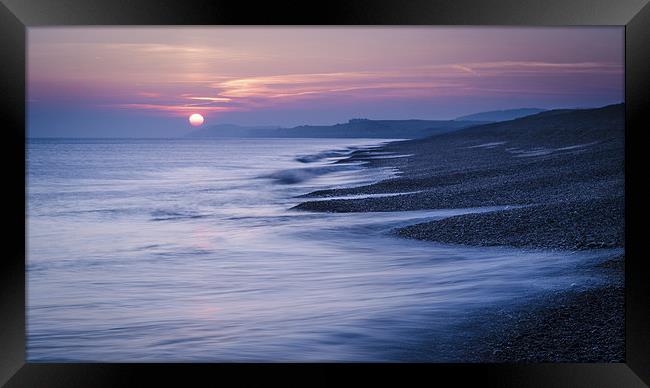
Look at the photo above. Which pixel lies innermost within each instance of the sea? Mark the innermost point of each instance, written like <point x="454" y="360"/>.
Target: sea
<point x="188" y="250"/>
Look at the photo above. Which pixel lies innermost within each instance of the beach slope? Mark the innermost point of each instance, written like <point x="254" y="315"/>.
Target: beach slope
<point x="563" y="173"/>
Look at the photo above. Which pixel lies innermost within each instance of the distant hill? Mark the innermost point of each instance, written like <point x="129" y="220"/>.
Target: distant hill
<point x="355" y="128"/>
<point x="501" y="115"/>
<point x="553" y="127"/>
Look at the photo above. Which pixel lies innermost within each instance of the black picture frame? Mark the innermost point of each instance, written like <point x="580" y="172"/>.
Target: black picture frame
<point x="17" y="15"/>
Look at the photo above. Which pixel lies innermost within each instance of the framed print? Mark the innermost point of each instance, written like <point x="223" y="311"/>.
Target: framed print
<point x="380" y="187"/>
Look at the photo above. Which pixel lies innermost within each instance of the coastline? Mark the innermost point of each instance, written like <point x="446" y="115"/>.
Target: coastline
<point x="574" y="325"/>
<point x="567" y="177"/>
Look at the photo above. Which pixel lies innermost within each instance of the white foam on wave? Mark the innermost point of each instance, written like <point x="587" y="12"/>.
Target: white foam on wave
<point x="363" y="196"/>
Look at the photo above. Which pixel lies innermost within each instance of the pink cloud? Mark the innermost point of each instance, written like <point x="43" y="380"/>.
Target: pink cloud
<point x="457" y="79"/>
<point x="177" y="110"/>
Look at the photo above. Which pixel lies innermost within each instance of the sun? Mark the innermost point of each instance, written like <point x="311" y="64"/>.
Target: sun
<point x="196" y="119"/>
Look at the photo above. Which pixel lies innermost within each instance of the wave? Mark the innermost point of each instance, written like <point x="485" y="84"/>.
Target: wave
<point x="297" y="175"/>
<point x="166" y="215"/>
<point x="338" y="153"/>
<point x="322" y="155"/>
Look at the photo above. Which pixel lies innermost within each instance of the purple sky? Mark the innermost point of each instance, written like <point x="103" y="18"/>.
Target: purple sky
<point x="146" y="82"/>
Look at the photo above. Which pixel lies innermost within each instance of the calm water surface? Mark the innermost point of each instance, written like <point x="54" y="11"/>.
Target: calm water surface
<point x="186" y="250"/>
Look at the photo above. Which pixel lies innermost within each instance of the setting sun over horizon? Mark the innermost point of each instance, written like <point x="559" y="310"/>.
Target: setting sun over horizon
<point x="196" y="120"/>
<point x="329" y="194"/>
<point x="140" y="81"/>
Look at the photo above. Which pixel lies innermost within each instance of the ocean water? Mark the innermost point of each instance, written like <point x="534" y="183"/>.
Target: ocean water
<point x="187" y="250"/>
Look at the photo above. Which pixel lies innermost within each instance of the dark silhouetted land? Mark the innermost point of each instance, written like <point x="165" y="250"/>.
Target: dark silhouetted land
<point x="501" y="115"/>
<point x="355" y="128"/>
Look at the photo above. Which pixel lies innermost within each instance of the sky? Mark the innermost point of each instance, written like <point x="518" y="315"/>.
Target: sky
<point x="147" y="81"/>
